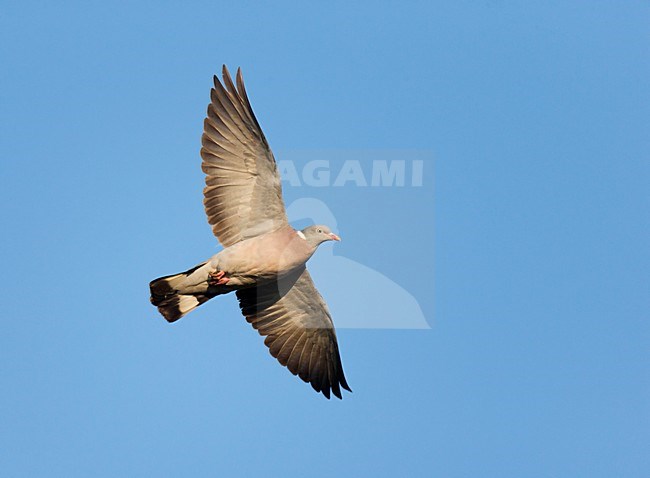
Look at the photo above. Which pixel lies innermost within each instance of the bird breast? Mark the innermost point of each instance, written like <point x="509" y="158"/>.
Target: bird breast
<point x="265" y="257"/>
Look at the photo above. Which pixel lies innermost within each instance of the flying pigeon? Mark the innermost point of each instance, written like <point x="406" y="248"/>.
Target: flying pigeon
<point x="263" y="258"/>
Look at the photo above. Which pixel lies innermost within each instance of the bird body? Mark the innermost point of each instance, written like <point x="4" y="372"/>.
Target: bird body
<point x="248" y="263"/>
<point x="264" y="259"/>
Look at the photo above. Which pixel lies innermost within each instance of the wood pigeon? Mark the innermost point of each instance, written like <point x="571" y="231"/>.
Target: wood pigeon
<point x="264" y="258"/>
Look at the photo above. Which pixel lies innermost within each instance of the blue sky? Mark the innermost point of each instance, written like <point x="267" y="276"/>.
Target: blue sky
<point x="526" y="247"/>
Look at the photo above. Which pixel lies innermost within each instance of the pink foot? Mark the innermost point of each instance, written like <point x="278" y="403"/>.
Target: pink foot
<point x="217" y="278"/>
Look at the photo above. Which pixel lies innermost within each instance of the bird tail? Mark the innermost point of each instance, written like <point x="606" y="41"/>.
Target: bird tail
<point x="172" y="304"/>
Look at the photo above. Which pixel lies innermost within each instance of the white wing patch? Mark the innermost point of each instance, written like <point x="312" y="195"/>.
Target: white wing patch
<point x="301" y="235"/>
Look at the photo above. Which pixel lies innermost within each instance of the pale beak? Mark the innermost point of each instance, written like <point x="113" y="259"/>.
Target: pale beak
<point x="335" y="237"/>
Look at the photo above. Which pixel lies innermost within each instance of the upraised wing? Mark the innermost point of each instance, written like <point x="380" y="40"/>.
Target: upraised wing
<point x="243" y="193"/>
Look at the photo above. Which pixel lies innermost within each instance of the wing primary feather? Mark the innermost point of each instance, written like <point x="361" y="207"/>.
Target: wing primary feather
<point x="244" y="96"/>
<point x="316" y="367"/>
<point x="303" y="367"/>
<point x="334" y="379"/>
<point x="231" y="112"/>
<point x="234" y="94"/>
<point x="294" y="359"/>
<point x="227" y="114"/>
<point x="285" y="352"/>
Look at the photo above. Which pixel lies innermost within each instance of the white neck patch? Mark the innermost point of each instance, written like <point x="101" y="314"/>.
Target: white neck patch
<point x="301" y="235"/>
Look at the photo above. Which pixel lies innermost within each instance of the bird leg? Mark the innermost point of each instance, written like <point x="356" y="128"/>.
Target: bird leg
<point x="217" y="278"/>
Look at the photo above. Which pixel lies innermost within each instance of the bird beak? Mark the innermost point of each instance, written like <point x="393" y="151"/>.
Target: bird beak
<point x="335" y="237"/>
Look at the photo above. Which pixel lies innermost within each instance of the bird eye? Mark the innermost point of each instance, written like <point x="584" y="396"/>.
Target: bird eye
<point x="320" y="230"/>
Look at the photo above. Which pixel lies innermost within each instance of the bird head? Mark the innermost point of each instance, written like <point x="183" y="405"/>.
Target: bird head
<point x="316" y="235"/>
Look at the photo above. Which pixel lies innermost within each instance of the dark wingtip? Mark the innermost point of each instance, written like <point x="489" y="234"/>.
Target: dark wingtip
<point x="345" y="385"/>
<point x="216" y="81"/>
<point x="225" y="73"/>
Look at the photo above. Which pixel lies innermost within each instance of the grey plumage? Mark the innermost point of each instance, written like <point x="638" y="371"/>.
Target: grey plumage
<point x="264" y="258"/>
